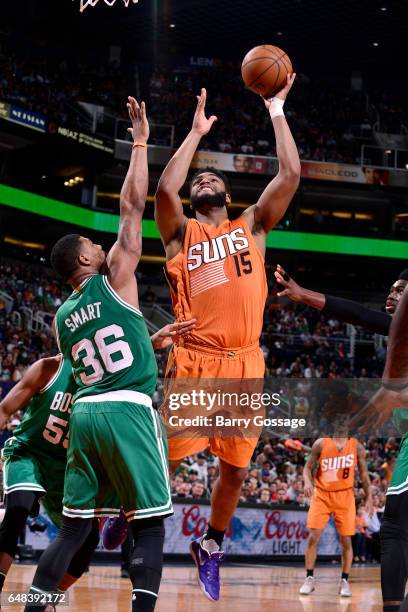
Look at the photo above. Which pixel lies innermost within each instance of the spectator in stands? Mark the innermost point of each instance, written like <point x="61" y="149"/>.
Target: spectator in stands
<point x="281" y="496"/>
<point x="301" y="500"/>
<point x="264" y="496"/>
<point x="200" y="466"/>
<point x="198" y="490"/>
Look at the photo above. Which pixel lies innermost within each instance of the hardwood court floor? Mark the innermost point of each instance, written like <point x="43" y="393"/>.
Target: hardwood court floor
<point x="246" y="588"/>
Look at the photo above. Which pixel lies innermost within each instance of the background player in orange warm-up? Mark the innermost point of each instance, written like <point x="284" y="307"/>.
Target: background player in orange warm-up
<point x="215" y="269"/>
<point x="332" y="493"/>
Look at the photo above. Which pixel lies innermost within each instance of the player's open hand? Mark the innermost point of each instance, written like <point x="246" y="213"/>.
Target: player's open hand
<point x="282" y="93"/>
<point x="140" y="124"/>
<point x="169" y="334"/>
<point x="290" y="79"/>
<point x="202" y="125"/>
<point x="291" y="289"/>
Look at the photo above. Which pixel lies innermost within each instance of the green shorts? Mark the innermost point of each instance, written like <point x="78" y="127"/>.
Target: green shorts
<point x="117" y="456"/>
<point x="399" y="479"/>
<point x="25" y="470"/>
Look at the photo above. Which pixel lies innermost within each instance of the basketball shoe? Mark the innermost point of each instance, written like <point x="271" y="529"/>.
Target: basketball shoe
<point x="308" y="586"/>
<point x="344" y="589"/>
<point x="208" y="561"/>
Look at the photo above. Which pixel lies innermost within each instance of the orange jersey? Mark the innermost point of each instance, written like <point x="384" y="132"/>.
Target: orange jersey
<point x="218" y="277"/>
<point x="336" y="468"/>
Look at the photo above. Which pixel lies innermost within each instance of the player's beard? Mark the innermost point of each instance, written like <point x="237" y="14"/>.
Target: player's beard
<point x="218" y="200"/>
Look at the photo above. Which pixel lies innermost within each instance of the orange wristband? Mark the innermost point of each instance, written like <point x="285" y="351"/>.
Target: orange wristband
<point x="139" y="144"/>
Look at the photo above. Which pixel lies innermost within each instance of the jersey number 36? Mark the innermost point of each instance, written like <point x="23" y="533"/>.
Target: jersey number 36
<point x="112" y="357"/>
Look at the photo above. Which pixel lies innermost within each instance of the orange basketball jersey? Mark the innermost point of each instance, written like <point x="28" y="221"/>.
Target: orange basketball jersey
<point x="336" y="468"/>
<point x="219" y="278"/>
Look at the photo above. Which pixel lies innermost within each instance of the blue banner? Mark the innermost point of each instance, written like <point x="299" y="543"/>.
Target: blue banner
<point x="27" y="118"/>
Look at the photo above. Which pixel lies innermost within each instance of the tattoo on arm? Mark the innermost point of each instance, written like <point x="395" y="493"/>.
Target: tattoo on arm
<point x="129" y="239"/>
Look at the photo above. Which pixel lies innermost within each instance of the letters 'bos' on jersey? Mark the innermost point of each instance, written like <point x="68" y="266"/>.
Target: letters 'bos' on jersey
<point x="46" y="420"/>
<point x="218" y="277"/>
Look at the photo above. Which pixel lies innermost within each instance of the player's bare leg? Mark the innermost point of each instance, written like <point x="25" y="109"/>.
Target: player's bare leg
<point x="207" y="553"/>
<point x="310" y="560"/>
<point x="346" y="554"/>
<point x="346" y="561"/>
<point x="225" y="495"/>
<point x="311" y="548"/>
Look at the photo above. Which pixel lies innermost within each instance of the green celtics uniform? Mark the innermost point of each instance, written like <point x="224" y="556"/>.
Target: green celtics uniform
<point x="35" y="457"/>
<point x="118" y="448"/>
<point x="399" y="479"/>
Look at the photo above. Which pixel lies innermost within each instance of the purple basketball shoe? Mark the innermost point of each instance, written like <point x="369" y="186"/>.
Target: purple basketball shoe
<point x="208" y="565"/>
<point x="114" y="531"/>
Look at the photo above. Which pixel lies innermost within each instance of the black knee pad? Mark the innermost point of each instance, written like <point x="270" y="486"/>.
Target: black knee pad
<point x="23" y="499"/>
<point x="74" y="529"/>
<point x="147" y="557"/>
<point x="19" y="504"/>
<point x="55" y="560"/>
<point x="82" y="558"/>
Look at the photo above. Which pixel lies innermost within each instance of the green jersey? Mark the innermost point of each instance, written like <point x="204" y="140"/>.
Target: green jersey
<point x="45" y="424"/>
<point x="106" y="340"/>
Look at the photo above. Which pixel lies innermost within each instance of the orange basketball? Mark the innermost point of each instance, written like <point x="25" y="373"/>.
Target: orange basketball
<point x="264" y="70"/>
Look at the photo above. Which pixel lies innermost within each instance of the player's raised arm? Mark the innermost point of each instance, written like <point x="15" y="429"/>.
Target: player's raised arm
<point x="35" y="379"/>
<point x="340" y="308"/>
<point x="169" y="215"/>
<point x="309" y="466"/>
<point x="275" y="199"/>
<point x="125" y="253"/>
<point x="297" y="293"/>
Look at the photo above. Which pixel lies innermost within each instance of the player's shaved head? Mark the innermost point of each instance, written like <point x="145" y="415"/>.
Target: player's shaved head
<point x="64" y="255"/>
<point x="74" y="254"/>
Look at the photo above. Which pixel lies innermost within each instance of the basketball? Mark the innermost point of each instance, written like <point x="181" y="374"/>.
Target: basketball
<point x="264" y="70"/>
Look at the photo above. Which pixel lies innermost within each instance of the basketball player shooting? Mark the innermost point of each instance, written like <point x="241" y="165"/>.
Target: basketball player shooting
<point x="216" y="273"/>
<point x="331" y="491"/>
